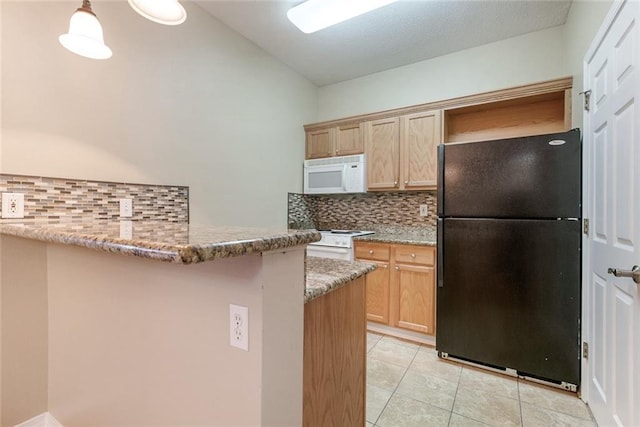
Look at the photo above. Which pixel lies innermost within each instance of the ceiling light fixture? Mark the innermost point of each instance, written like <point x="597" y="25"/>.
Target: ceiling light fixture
<point x="167" y="12"/>
<point x="85" y="36"/>
<point x="314" y="15"/>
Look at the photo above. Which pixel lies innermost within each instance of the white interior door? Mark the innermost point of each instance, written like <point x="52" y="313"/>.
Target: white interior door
<point x="611" y="374"/>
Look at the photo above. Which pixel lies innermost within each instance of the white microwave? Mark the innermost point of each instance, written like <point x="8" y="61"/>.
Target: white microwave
<point x="345" y="174"/>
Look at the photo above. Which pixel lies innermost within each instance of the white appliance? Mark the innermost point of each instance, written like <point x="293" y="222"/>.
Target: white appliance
<point x="336" y="244"/>
<point x="346" y="174"/>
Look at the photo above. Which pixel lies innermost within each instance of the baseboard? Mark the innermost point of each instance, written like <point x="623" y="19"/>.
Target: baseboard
<point x="404" y="334"/>
<point x="43" y="420"/>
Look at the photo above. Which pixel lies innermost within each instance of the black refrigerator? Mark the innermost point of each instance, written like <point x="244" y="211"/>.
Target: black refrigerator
<point x="509" y="242"/>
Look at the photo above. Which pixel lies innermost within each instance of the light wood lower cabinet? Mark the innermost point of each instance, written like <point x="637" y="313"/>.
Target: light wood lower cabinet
<point x="401" y="292"/>
<point x="334" y="358"/>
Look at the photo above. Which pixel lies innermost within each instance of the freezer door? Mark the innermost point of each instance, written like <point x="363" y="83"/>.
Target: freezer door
<point x="531" y="177"/>
<point x="509" y="294"/>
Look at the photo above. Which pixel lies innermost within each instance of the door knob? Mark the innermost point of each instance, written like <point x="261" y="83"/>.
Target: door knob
<point x="634" y="273"/>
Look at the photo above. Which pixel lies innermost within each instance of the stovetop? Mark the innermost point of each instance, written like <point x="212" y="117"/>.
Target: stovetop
<point x="339" y="238"/>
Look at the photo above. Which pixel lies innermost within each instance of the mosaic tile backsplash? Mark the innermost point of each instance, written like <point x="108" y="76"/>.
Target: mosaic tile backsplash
<point x="70" y="199"/>
<point x="374" y="211"/>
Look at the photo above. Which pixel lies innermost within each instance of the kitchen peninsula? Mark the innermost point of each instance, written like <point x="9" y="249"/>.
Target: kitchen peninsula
<point x="97" y="338"/>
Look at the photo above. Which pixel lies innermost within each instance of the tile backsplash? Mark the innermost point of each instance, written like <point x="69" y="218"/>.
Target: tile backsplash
<point x="70" y="199"/>
<point x="362" y="211"/>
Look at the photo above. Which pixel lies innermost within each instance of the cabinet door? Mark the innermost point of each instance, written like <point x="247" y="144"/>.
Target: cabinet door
<point x="382" y="147"/>
<point x="419" y="141"/>
<point x="413" y="299"/>
<point x="349" y="140"/>
<point x="377" y="285"/>
<point x="320" y="143"/>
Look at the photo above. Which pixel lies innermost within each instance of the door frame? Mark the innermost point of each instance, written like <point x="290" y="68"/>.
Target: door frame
<point x="587" y="152"/>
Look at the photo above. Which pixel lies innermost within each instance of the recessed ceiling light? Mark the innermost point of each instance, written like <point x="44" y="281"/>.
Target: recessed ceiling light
<point x="314" y="15"/>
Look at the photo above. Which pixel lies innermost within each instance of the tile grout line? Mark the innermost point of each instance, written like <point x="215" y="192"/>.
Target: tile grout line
<point x="375" y="424"/>
<point x="520" y="402"/>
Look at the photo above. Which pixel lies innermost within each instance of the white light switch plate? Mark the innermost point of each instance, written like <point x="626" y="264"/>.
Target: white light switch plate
<point x="12" y="205"/>
<point x="424" y="210"/>
<point x="126" y="208"/>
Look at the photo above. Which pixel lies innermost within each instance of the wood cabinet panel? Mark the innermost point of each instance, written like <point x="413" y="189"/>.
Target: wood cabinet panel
<point x="377" y="289"/>
<point x="349" y="140"/>
<point x="415" y="254"/>
<point x="401" y="292"/>
<point x="382" y="146"/>
<point x="334" y="358"/>
<point x="419" y="142"/>
<point x="372" y="251"/>
<point x="414" y="306"/>
<point x="320" y="143"/>
<point x="532" y="115"/>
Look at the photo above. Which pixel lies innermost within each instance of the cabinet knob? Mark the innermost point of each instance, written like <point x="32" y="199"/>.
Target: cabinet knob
<point x="397" y="268"/>
<point x="413" y="255"/>
<point x="406" y="182"/>
<point x="395" y="183"/>
<point x="385" y="266"/>
<point x="370" y="251"/>
<point x="337" y="152"/>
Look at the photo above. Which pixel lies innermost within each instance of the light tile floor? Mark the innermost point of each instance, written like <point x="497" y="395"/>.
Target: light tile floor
<point x="408" y="385"/>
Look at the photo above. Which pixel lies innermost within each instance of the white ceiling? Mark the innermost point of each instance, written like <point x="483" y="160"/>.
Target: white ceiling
<point x="399" y="34"/>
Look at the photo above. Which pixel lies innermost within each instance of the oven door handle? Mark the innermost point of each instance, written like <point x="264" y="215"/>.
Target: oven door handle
<point x="333" y="249"/>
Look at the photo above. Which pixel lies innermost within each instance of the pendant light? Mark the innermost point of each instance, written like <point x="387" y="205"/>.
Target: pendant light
<point x="167" y="12"/>
<point x="85" y="34"/>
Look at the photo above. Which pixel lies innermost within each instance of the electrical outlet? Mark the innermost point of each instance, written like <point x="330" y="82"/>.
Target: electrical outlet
<point x="126" y="229"/>
<point x="12" y="205"/>
<point x="126" y="208"/>
<point x="239" y="326"/>
<point x="424" y="210"/>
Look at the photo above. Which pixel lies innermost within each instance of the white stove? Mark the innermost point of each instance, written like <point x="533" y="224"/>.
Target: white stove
<point x="336" y="244"/>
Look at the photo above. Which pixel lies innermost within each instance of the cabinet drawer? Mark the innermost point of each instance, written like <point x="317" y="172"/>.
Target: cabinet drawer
<point x="372" y="251"/>
<point x="415" y="254"/>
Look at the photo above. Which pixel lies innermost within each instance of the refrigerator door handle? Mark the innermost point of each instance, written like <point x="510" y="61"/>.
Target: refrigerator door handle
<point x="440" y="242"/>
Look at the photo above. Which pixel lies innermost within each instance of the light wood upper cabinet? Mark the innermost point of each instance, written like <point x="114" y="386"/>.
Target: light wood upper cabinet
<point x="382" y="147"/>
<point x="320" y="143"/>
<point x="349" y="140"/>
<point x="402" y="152"/>
<point x="335" y="141"/>
<point x="419" y="140"/>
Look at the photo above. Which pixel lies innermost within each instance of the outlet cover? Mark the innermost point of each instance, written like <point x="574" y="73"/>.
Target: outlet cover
<point x="239" y="326"/>
<point x="12" y="205"/>
<point x="424" y="210"/>
<point x="126" y="208"/>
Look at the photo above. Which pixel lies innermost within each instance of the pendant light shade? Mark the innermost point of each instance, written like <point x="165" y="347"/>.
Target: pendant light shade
<point x="167" y="12"/>
<point x="85" y="36"/>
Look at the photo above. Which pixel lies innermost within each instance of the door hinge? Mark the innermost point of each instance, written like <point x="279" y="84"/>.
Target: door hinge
<point x="585" y="226"/>
<point x="587" y="99"/>
<point x="585" y="350"/>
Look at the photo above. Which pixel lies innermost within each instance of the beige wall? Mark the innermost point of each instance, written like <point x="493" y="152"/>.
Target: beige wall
<point x="24" y="330"/>
<point x="100" y="339"/>
<point x="195" y="105"/>
<point x="542" y="55"/>
<point x="529" y="58"/>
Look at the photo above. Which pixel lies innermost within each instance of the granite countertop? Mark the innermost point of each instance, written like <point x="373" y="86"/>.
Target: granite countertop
<point x="325" y="275"/>
<point x="421" y="237"/>
<point x="161" y="240"/>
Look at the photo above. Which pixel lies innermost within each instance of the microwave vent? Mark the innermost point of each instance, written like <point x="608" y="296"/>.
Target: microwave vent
<point x="335" y="160"/>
